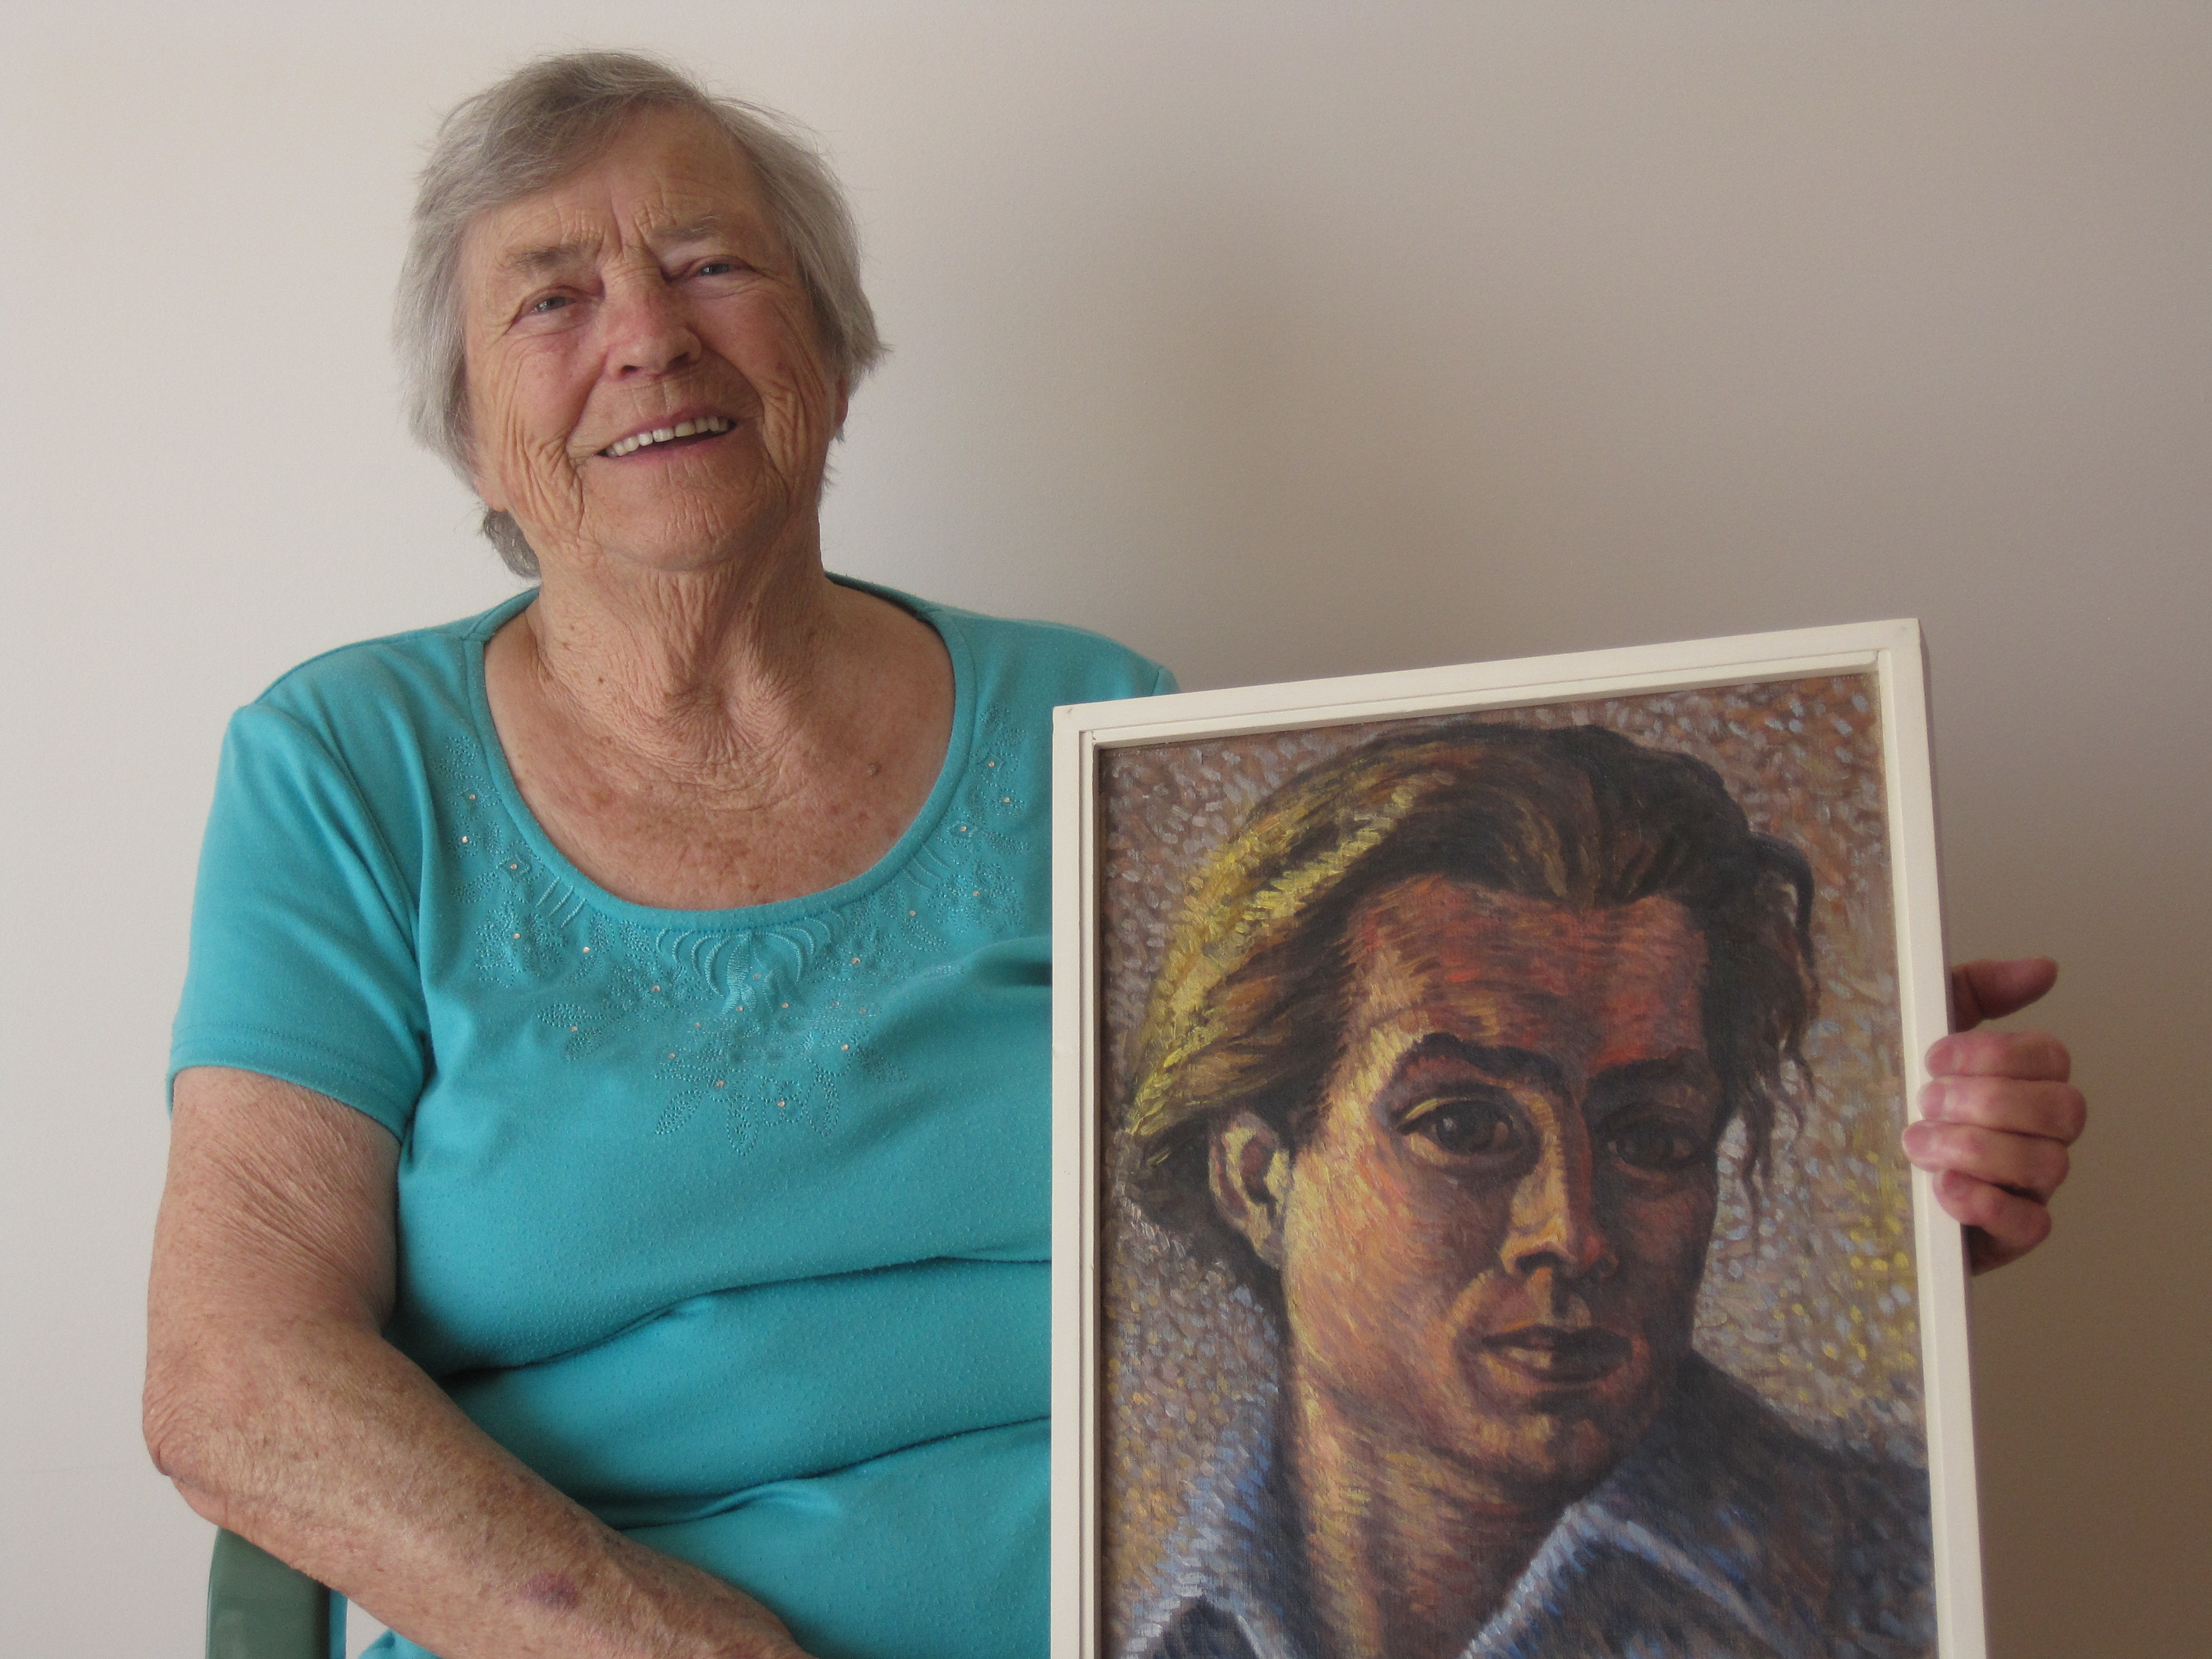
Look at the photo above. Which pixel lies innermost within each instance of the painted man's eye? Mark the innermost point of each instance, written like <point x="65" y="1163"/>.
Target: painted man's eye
<point x="1658" y="1143"/>
<point x="1466" y="1127"/>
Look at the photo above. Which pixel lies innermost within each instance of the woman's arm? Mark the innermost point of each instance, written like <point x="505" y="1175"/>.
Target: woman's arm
<point x="280" y="1411"/>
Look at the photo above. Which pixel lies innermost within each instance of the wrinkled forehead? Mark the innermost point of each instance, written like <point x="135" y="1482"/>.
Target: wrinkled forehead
<point x="666" y="176"/>
<point x="1593" y="989"/>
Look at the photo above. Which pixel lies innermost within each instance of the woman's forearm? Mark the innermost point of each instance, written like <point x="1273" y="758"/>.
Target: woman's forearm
<point x="327" y="1447"/>
<point x="280" y="1412"/>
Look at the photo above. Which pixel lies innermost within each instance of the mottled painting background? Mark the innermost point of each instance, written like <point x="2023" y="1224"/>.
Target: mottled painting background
<point x="1811" y="1302"/>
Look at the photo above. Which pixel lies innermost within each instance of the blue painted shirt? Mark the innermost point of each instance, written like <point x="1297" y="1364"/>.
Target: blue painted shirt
<point x="1723" y="1534"/>
<point x="732" y="1225"/>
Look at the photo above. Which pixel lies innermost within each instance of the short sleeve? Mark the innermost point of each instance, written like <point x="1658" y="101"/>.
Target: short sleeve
<point x="303" y="963"/>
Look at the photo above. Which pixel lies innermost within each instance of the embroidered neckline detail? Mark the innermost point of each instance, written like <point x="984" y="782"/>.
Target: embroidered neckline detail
<point x="761" y="1014"/>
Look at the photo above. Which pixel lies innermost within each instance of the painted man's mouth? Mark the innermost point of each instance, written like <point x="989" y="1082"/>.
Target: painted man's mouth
<point x="676" y="435"/>
<point x="1552" y="1355"/>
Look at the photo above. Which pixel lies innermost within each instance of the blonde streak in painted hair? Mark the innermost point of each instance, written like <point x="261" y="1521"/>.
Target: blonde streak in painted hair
<point x="1203" y="956"/>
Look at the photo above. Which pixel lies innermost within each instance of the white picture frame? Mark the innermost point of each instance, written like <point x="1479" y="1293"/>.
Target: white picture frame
<point x="1886" y="657"/>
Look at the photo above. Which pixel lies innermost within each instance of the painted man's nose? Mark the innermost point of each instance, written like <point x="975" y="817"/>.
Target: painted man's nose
<point x="1554" y="1223"/>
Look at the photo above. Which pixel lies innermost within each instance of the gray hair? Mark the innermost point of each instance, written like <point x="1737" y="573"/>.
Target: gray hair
<point x="535" y="128"/>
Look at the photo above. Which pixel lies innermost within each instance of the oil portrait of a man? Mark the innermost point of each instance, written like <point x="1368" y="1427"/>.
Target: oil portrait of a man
<point x="1466" y="1165"/>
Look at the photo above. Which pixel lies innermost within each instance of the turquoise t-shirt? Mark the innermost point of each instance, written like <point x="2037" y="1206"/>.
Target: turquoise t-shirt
<point x="733" y="1224"/>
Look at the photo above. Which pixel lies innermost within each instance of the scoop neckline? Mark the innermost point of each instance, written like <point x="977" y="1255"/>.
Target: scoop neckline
<point x="743" y="918"/>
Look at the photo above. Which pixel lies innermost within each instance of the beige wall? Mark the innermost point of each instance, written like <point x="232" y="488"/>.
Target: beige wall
<point x="1280" y="342"/>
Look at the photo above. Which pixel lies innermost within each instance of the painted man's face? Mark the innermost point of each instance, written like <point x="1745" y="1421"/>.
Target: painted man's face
<point x="1491" y="1245"/>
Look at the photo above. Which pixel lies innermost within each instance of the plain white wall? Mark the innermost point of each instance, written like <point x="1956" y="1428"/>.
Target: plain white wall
<point x="1279" y="341"/>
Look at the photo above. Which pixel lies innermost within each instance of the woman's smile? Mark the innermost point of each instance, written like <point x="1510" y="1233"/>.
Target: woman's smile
<point x="686" y="434"/>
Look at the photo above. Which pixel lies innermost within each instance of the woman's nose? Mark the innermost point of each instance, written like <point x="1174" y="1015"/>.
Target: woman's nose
<point x="650" y="332"/>
<point x="1554" y="1222"/>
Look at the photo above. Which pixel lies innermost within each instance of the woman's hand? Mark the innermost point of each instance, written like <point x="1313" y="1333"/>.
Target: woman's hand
<point x="1997" y="1114"/>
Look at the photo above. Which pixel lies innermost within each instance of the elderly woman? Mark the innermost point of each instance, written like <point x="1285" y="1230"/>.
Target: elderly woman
<point x="607" y="1211"/>
<point x="610" y="1145"/>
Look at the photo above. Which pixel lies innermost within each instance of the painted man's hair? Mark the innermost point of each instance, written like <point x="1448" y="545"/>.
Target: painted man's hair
<point x="1247" y="1013"/>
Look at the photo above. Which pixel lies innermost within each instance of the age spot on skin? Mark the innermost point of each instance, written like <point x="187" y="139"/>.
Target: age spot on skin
<point x="551" y="1589"/>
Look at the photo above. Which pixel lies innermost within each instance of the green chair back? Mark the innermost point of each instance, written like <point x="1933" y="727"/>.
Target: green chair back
<point x="260" y="1608"/>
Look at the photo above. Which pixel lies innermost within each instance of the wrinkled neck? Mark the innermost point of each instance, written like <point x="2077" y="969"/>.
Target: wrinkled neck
<point x="690" y="668"/>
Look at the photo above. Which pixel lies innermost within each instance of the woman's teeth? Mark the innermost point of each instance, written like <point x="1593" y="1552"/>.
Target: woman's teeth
<point x="707" y="424"/>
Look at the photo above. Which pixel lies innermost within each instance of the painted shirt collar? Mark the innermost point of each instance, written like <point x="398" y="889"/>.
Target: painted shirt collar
<point x="1755" y="1548"/>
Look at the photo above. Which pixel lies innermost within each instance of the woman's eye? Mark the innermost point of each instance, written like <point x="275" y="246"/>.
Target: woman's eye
<point x="1466" y="1128"/>
<point x="1656" y="1143"/>
<point x="551" y="303"/>
<point x="716" y="268"/>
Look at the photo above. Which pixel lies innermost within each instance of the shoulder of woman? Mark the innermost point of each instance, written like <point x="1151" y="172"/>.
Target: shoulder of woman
<point x="360" y="697"/>
<point x="1072" y="663"/>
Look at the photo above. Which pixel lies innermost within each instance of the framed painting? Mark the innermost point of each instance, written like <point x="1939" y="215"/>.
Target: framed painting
<point x="1480" y="1227"/>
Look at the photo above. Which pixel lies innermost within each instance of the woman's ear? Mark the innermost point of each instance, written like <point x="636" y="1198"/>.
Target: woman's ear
<point x="487" y="487"/>
<point x="1249" y="1170"/>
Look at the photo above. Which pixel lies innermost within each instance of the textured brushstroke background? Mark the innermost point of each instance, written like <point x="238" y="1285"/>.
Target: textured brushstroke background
<point x="1811" y="1300"/>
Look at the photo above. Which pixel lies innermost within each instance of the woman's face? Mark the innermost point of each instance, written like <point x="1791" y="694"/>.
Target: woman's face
<point x="1490" y="1246"/>
<point x="648" y="291"/>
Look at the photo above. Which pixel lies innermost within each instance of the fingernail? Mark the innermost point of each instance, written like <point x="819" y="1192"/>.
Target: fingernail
<point x="1939" y="1055"/>
<point x="1917" y="1139"/>
<point x="1934" y="1097"/>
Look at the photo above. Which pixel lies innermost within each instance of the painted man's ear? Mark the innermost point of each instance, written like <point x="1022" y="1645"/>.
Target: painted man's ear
<point x="1250" y="1173"/>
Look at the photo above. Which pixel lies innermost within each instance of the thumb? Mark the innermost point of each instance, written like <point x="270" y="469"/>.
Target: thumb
<point x="1990" y="990"/>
